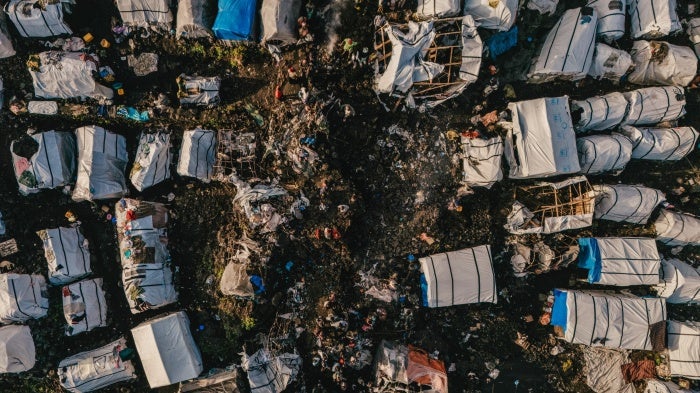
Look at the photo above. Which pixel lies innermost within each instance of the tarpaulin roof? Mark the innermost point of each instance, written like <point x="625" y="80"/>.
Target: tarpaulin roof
<point x="235" y="20"/>
<point x="620" y="261"/>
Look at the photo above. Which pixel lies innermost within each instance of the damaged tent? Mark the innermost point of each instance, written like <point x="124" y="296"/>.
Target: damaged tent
<point x="6" y="48"/>
<point x="458" y="277"/>
<point x="397" y="366"/>
<point x="489" y="14"/>
<point x="152" y="161"/>
<point x="677" y="229"/>
<point x="84" y="306"/>
<point x="611" y="18"/>
<point x="567" y="52"/>
<point x="102" y="159"/>
<point x="51" y="166"/>
<point x="438" y="8"/>
<point x="683" y="343"/>
<point x="599" y="154"/>
<point x="279" y="21"/>
<point x="269" y="373"/>
<point x="17" y="352"/>
<point x="38" y="19"/>
<point x="167" y="350"/>
<point x="609" y="63"/>
<point x="619" y="261"/>
<point x="197" y="154"/>
<point x="92" y="370"/>
<point x="653" y="105"/>
<point x="194" y="19"/>
<point x="235" y="20"/>
<point x="661" y="63"/>
<point x="67" y="254"/>
<point x="596" y="318"/>
<point x="145" y="13"/>
<point x="198" y="90"/>
<point x="653" y="18"/>
<point x="626" y="203"/>
<point x="146" y="273"/>
<point x="57" y="74"/>
<point x="552" y="207"/>
<point x="22" y="297"/>
<point x="657" y="386"/>
<point x="481" y="162"/>
<point x="661" y="144"/>
<point x="680" y="282"/>
<point x="541" y="142"/>
<point x="599" y="113"/>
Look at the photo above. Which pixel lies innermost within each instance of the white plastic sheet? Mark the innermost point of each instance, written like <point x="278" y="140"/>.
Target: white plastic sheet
<point x="609" y="63"/>
<point x="197" y="154"/>
<point x="438" y="8"/>
<point x="628" y="203"/>
<point x="499" y="17"/>
<point x="66" y="75"/>
<point x="279" y="21"/>
<point x="680" y="282"/>
<point x="693" y="31"/>
<point x="102" y="159"/>
<point x="198" y="90"/>
<point x="52" y="166"/>
<point x="194" y="19"/>
<point x="653" y="105"/>
<point x="92" y="370"/>
<point x="603" y="153"/>
<point x="661" y="144"/>
<point x="67" y="254"/>
<point x="46" y="21"/>
<point x="42" y="107"/>
<point x="84" y="306"/>
<point x="677" y="229"/>
<point x="17" y="352"/>
<point x="143" y="13"/>
<point x="653" y="18"/>
<point x="627" y="261"/>
<point x="271" y="374"/>
<point x="600" y="112"/>
<point x="611" y="18"/>
<point x="482" y="161"/>
<point x="152" y="161"/>
<point x="661" y="63"/>
<point x="683" y="339"/>
<point x="657" y="386"/>
<point x="22" y="297"/>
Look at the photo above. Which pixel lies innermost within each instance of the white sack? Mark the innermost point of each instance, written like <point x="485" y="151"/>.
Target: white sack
<point x="693" y="31"/>
<point x="482" y="161"/>
<point x="683" y="340"/>
<point x="92" y="370"/>
<point x="653" y="18"/>
<point x="501" y="17"/>
<point x="52" y="166"/>
<point x="599" y="154"/>
<point x="661" y="144"/>
<point x="84" y="306"/>
<point x="102" y="159"/>
<point x="626" y="203"/>
<point x="197" y="154"/>
<point x="657" y="386"/>
<point x="6" y="48"/>
<point x="279" y="21"/>
<point x="677" y="67"/>
<point x="653" y="105"/>
<point x="37" y="22"/>
<point x="198" y="90"/>
<point x="65" y="75"/>
<point x="22" y="297"/>
<point x="143" y="13"/>
<point x="17" y="352"/>
<point x="438" y="8"/>
<point x="680" y="282"/>
<point x="194" y="19"/>
<point x="67" y="254"/>
<point x="677" y="229"/>
<point x="609" y="63"/>
<point x="152" y="161"/>
<point x="271" y="374"/>
<point x="611" y="18"/>
<point x="235" y="281"/>
<point x="600" y="112"/>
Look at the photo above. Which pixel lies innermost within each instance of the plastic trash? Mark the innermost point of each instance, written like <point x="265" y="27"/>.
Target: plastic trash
<point x="257" y="282"/>
<point x="133" y="114"/>
<point x="2" y="225"/>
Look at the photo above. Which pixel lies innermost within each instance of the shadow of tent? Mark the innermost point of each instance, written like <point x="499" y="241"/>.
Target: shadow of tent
<point x="237" y="88"/>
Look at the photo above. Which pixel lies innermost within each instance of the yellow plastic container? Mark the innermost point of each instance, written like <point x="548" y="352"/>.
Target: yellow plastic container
<point x="88" y="37"/>
<point x="120" y="92"/>
<point x="104" y="43"/>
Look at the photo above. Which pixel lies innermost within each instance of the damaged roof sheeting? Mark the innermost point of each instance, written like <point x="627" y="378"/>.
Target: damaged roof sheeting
<point x="599" y="113"/>
<point x="661" y="144"/>
<point x="197" y="154"/>
<point x="152" y="161"/>
<point x="41" y="21"/>
<point x="279" y="21"/>
<point x="680" y="282"/>
<point x="17" y="352"/>
<point x="619" y="261"/>
<point x="198" y="90"/>
<point x="552" y="207"/>
<point x="611" y="18"/>
<point x="102" y="160"/>
<point x="67" y="254"/>
<point x="57" y="74"/>
<point x="52" y="166"/>
<point x="677" y="229"/>
<point x="626" y="203"/>
<point x="92" y="370"/>
<point x="6" y="48"/>
<point x="609" y="63"/>
<point x="22" y="297"/>
<point x="489" y="14"/>
<point x="541" y="142"/>
<point x="194" y="19"/>
<point x="597" y="318"/>
<point x="397" y="366"/>
<point x="653" y="18"/>
<point x="661" y="63"/>
<point x="145" y="13"/>
<point x="268" y="373"/>
<point x="599" y="154"/>
<point x="482" y="161"/>
<point x="567" y="52"/>
<point x="438" y="8"/>
<point x="684" y="348"/>
<point x="458" y="277"/>
<point x="84" y="306"/>
<point x="429" y="61"/>
<point x="653" y="105"/>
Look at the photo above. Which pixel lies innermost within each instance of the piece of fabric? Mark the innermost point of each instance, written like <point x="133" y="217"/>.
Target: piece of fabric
<point x="92" y="370"/>
<point x="638" y="371"/>
<point x="657" y="334"/>
<point x="603" y="369"/>
<point x="65" y="75"/>
<point x="235" y="20"/>
<point x="502" y="42"/>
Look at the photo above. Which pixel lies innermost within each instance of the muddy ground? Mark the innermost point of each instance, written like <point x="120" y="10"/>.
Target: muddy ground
<point x="397" y="185"/>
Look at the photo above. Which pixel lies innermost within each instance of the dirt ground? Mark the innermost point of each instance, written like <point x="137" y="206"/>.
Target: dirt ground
<point x="396" y="171"/>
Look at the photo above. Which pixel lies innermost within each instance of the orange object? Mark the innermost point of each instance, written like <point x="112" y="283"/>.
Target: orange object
<point x="278" y="92"/>
<point x="88" y="37"/>
<point x="104" y="43"/>
<point x="120" y="92"/>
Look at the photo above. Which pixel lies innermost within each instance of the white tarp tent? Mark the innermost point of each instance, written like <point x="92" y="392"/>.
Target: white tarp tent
<point x="458" y="277"/>
<point x="194" y="19"/>
<point x="661" y="144"/>
<point x="58" y="74"/>
<point x="17" y="353"/>
<point x="84" y="306"/>
<point x="102" y="159"/>
<point x="567" y="52"/>
<point x="661" y="63"/>
<point x="45" y="20"/>
<point x="52" y="166"/>
<point x="6" y="48"/>
<point x="677" y="229"/>
<point x="500" y="16"/>
<point x="481" y="162"/>
<point x="92" y="370"/>
<point x="143" y="13"/>
<point x="683" y="340"/>
<point x="693" y="31"/>
<point x="198" y="90"/>
<point x="657" y="386"/>
<point x="67" y="254"/>
<point x="611" y="18"/>
<point x="22" y="297"/>
<point x="152" y="161"/>
<point x="197" y="154"/>
<point x="600" y="112"/>
<point x="542" y="141"/>
<point x="167" y="350"/>
<point x="609" y="63"/>
<point x="270" y="374"/>
<point x="680" y="282"/>
<point x="279" y="21"/>
<point x="653" y="18"/>
<point x="438" y="8"/>
<point x="596" y="318"/>
<point x="146" y="273"/>
<point x="652" y="105"/>
<point x="603" y="153"/>
<point x="619" y="261"/>
<point x="624" y="202"/>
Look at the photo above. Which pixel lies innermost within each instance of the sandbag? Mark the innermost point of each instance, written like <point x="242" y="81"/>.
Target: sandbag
<point x="661" y="63"/>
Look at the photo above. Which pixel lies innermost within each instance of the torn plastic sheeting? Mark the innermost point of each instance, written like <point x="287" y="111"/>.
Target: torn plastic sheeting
<point x="133" y="114"/>
<point x="543" y="6"/>
<point x="247" y="198"/>
<point x="482" y="161"/>
<point x="376" y="288"/>
<point x="235" y="281"/>
<point x="603" y="370"/>
<point x="268" y="373"/>
<point x="661" y="63"/>
<point x="402" y="365"/>
<point x="609" y="63"/>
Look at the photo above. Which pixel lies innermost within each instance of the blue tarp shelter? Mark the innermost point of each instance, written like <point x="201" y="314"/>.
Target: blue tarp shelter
<point x="235" y="20"/>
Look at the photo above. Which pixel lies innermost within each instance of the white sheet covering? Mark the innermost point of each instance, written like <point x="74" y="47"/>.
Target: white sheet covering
<point x="102" y="159"/>
<point x="52" y="166"/>
<point x="67" y="254"/>
<point x="661" y="63"/>
<point x="677" y="229"/>
<point x="627" y="261"/>
<point x="84" y="306"/>
<point x="459" y="277"/>
<point x="167" y="350"/>
<point x="279" y="21"/>
<point x="22" y="297"/>
<point x="37" y="22"/>
<point x="600" y="112"/>
<point x="653" y="18"/>
<point x="197" y="154"/>
<point x="271" y="374"/>
<point x="482" y="161"/>
<point x="661" y="144"/>
<point x="628" y="203"/>
<point x="499" y="17"/>
<point x="683" y="340"/>
<point x="438" y="8"/>
<point x="603" y="370"/>
<point x="609" y="63"/>
<point x="152" y="161"/>
<point x="42" y="107"/>
<point x="198" y="90"/>
<point x="17" y="352"/>
<point x="542" y="141"/>
<point x="6" y="48"/>
<point x="680" y="282"/>
<point x="603" y="153"/>
<point x="652" y="105"/>
<point x="92" y="370"/>
<point x="611" y="18"/>
<point x="66" y="75"/>
<point x="143" y="13"/>
<point x="194" y="19"/>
